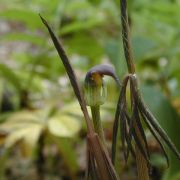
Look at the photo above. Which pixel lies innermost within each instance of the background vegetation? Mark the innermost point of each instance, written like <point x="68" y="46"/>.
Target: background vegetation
<point x="42" y="132"/>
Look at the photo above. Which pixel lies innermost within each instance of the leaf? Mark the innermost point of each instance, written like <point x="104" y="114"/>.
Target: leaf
<point x="143" y="48"/>
<point x="27" y="125"/>
<point x="168" y="119"/>
<point x="96" y="2"/>
<point x="22" y="125"/>
<point x="28" y="17"/>
<point x="85" y="45"/>
<point x="63" y="126"/>
<point x="21" y="117"/>
<point x="72" y="109"/>
<point x="30" y="38"/>
<point x="9" y="75"/>
<point x="65" y="148"/>
<point x="78" y="26"/>
<point x="30" y="136"/>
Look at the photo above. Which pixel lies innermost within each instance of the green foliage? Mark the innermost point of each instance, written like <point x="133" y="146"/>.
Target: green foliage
<point x="28" y="125"/>
<point x="169" y="120"/>
<point x="90" y="32"/>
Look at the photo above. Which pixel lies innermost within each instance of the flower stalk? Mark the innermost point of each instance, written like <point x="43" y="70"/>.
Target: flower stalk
<point x="95" y="96"/>
<point x="95" y="111"/>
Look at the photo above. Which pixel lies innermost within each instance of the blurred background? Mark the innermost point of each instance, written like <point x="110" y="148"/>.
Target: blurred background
<point x="42" y="131"/>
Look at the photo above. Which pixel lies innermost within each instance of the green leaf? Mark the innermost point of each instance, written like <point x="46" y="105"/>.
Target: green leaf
<point x="81" y="26"/>
<point x="65" y="148"/>
<point x="30" y="38"/>
<point x="24" y="125"/>
<point x="85" y="45"/>
<point x="143" y="48"/>
<point x="29" y="135"/>
<point x="72" y="109"/>
<point x="9" y="75"/>
<point x="168" y="119"/>
<point x="28" y="17"/>
<point x="63" y="125"/>
<point x="96" y="2"/>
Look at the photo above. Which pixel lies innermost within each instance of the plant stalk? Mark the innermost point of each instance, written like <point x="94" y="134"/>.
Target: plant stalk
<point x="126" y="37"/>
<point x="142" y="167"/>
<point x="95" y="111"/>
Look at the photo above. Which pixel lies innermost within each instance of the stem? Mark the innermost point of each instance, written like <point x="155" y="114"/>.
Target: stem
<point x="40" y="160"/>
<point x="126" y="37"/>
<point x="142" y="167"/>
<point x="95" y="110"/>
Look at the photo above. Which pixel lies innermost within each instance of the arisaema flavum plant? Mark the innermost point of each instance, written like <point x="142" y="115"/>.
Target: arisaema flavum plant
<point x="128" y="117"/>
<point x="99" y="164"/>
<point x="130" y="121"/>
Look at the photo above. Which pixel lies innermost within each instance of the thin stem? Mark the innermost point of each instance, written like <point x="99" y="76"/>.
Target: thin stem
<point x="126" y="37"/>
<point x="95" y="110"/>
<point x="142" y="167"/>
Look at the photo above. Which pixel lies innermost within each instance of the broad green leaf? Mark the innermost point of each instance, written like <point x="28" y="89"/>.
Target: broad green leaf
<point x="22" y="117"/>
<point x="22" y="125"/>
<point x="96" y="2"/>
<point x="72" y="109"/>
<point x="25" y="16"/>
<point x="63" y="125"/>
<point x="78" y="6"/>
<point x="29" y="135"/>
<point x="81" y="26"/>
<point x="85" y="45"/>
<point x="143" y="48"/>
<point x="168" y="119"/>
<point x="29" y="38"/>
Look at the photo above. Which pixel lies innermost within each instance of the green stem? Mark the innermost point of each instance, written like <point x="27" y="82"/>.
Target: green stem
<point x="95" y="110"/>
